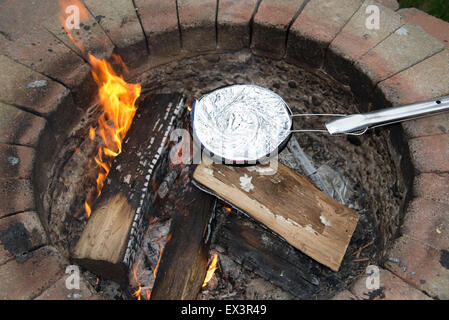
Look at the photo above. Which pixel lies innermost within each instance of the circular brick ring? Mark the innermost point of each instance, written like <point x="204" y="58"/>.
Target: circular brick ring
<point x="43" y="93"/>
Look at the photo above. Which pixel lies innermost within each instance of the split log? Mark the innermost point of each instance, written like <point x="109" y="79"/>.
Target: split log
<point x="288" y="204"/>
<point x="108" y="244"/>
<point x="184" y="261"/>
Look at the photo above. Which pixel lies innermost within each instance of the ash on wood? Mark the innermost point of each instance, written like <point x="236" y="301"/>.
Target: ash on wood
<point x="288" y="204"/>
<point x="184" y="261"/>
<point x="109" y="242"/>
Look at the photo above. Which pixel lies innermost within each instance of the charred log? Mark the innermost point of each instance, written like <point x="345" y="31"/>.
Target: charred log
<point x="119" y="218"/>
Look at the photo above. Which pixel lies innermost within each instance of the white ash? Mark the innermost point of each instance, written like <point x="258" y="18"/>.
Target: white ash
<point x="245" y="183"/>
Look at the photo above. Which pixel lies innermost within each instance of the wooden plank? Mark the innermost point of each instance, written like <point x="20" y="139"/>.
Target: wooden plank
<point x="184" y="260"/>
<point x="119" y="219"/>
<point x="288" y="204"/>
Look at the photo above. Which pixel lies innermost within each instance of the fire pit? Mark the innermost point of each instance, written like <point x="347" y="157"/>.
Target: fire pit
<point x="159" y="233"/>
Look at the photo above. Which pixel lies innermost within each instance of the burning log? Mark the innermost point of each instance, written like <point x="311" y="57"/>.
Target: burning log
<point x="184" y="261"/>
<point x="119" y="219"/>
<point x="288" y="204"/>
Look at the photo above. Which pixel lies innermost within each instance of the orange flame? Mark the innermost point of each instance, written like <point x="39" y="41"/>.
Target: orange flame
<point x="211" y="270"/>
<point x="136" y="293"/>
<point x="65" y="15"/>
<point x="117" y="99"/>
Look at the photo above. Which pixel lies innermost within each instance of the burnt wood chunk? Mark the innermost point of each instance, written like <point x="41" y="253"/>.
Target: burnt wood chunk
<point x="108" y="244"/>
<point x="184" y="261"/>
<point x="288" y="204"/>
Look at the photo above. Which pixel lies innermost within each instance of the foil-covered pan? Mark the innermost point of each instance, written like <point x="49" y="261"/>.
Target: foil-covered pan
<point x="241" y="123"/>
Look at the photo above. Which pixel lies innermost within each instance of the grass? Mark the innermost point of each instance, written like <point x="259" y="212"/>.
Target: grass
<point x="437" y="8"/>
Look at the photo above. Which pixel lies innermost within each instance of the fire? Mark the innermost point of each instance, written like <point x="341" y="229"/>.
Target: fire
<point x="211" y="270"/>
<point x="117" y="100"/>
<point x="136" y="293"/>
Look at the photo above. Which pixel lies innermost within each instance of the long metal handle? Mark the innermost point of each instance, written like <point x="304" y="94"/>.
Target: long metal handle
<point x="361" y="122"/>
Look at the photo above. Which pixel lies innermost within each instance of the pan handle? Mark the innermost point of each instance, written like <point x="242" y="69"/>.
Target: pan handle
<point x="359" y="123"/>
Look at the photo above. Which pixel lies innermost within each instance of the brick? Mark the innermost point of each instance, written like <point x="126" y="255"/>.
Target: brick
<point x="404" y="48"/>
<point x="197" y="20"/>
<point x="271" y="24"/>
<point x="160" y="23"/>
<point x="28" y="279"/>
<point x="59" y="291"/>
<point x="15" y="195"/>
<point x="19" y="127"/>
<point x="344" y="295"/>
<point x="392" y="4"/>
<point x="16" y="161"/>
<point x="20" y="234"/>
<point x="391" y="287"/>
<point x="426" y="80"/>
<point x="424" y="267"/>
<point x="89" y="38"/>
<point x="437" y="28"/>
<point x="316" y="27"/>
<point x="432" y="186"/>
<point x="429" y="126"/>
<point x="119" y="20"/>
<point x="18" y="17"/>
<point x="428" y="222"/>
<point x="233" y="23"/>
<point x="42" y="52"/>
<point x="22" y="86"/>
<point x="430" y="154"/>
<point x="355" y="39"/>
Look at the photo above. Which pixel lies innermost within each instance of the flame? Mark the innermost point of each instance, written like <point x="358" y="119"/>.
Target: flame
<point x="64" y="15"/>
<point x="117" y="100"/>
<point x="211" y="270"/>
<point x="136" y="293"/>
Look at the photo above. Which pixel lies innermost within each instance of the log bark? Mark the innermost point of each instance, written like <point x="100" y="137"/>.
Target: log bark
<point x="109" y="242"/>
<point x="286" y="203"/>
<point x="184" y="261"/>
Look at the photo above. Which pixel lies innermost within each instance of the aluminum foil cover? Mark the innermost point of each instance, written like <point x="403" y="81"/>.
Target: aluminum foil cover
<point x="241" y="122"/>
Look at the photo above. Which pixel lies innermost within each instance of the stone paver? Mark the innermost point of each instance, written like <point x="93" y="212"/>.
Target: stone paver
<point x="18" y="17"/>
<point x="431" y="153"/>
<point x="271" y="23"/>
<point x="233" y="23"/>
<point x="344" y="295"/>
<point x="160" y="23"/>
<point x="59" y="291"/>
<point x="41" y="51"/>
<point x="16" y="161"/>
<point x="437" y="28"/>
<point x="20" y="234"/>
<point x="29" y="278"/>
<point x="428" y="222"/>
<point x="24" y="87"/>
<point x="390" y="288"/>
<point x="404" y="48"/>
<point x="432" y="186"/>
<point x="15" y="195"/>
<point x="426" y="80"/>
<point x="316" y="27"/>
<point x="119" y="20"/>
<point x="197" y="20"/>
<point x="356" y="39"/>
<point x="89" y="38"/>
<point x="392" y="4"/>
<point x="19" y="127"/>
<point x="424" y="267"/>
